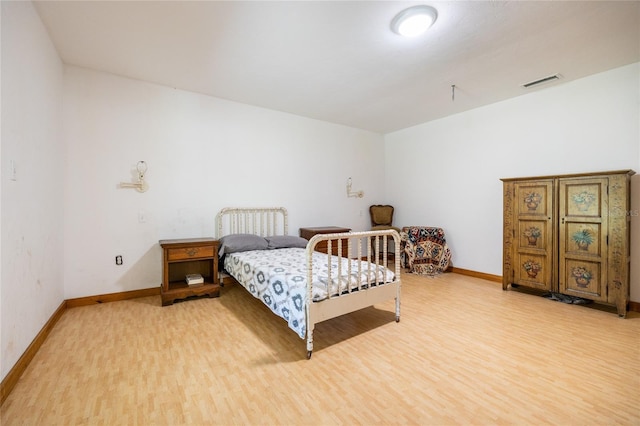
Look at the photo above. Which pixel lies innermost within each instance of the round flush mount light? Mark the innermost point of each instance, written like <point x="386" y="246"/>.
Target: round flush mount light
<point x="414" y="21"/>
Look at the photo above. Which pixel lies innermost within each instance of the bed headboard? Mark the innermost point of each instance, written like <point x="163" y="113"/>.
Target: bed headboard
<point x="263" y="221"/>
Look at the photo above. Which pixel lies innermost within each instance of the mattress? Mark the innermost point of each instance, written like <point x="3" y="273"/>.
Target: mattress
<point x="279" y="278"/>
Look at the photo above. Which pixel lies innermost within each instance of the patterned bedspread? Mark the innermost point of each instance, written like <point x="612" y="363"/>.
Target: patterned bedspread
<point x="279" y="278"/>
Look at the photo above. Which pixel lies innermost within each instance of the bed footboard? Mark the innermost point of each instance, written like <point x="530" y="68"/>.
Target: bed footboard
<point x="371" y="249"/>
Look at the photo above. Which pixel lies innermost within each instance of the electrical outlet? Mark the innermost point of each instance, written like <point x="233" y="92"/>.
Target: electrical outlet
<point x="118" y="260"/>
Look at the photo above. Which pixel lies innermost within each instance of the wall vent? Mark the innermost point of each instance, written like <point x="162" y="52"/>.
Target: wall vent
<point x="540" y="81"/>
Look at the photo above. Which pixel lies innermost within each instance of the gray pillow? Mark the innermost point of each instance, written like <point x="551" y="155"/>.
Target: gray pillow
<point x="285" y="241"/>
<point x="241" y="242"/>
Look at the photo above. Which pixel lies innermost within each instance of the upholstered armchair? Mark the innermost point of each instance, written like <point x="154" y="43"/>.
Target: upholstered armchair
<point x="424" y="250"/>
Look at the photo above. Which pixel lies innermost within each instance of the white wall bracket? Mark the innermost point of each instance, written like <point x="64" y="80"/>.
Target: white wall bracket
<point x="354" y="194"/>
<point x="141" y="185"/>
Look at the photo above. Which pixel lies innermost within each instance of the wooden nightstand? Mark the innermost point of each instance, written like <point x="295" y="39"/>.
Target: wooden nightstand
<point x="307" y="233"/>
<point x="189" y="256"/>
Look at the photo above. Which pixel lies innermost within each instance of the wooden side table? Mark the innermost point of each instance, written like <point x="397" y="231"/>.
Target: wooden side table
<point x="181" y="257"/>
<point x="307" y="233"/>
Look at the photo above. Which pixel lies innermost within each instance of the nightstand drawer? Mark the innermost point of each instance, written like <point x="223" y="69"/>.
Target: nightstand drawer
<point x="323" y="246"/>
<point x="189" y="253"/>
<point x="308" y="233"/>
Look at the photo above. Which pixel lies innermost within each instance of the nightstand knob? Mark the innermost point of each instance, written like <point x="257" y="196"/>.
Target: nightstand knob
<point x="192" y="252"/>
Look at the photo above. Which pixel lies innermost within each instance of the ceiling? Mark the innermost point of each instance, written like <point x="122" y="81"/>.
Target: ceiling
<point x="338" y="61"/>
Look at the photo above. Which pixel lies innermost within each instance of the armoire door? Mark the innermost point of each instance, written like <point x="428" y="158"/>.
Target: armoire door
<point x="533" y="234"/>
<point x="583" y="227"/>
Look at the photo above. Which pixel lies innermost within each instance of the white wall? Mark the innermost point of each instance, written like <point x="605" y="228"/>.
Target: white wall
<point x="32" y="285"/>
<point x="2" y="177"/>
<point x="203" y="154"/>
<point x="447" y="172"/>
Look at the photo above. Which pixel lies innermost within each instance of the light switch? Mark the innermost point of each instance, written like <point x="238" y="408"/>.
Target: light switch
<point x="13" y="175"/>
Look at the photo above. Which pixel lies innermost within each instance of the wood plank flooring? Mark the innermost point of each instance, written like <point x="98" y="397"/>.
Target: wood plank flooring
<point x="465" y="352"/>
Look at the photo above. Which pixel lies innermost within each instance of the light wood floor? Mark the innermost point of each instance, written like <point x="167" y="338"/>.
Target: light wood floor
<point x="464" y="352"/>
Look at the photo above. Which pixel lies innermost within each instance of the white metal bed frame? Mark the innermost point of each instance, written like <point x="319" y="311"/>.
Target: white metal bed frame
<point x="271" y="221"/>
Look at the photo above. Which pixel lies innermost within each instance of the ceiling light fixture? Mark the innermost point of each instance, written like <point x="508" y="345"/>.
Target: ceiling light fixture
<point x="414" y="21"/>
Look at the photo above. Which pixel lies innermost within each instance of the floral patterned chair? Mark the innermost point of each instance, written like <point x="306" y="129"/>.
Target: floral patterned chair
<point x="424" y="250"/>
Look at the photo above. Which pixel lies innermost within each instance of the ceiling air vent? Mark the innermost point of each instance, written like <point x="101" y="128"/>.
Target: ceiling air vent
<point x="542" y="80"/>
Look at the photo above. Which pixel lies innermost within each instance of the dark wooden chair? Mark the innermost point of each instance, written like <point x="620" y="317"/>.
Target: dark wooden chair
<point x="381" y="219"/>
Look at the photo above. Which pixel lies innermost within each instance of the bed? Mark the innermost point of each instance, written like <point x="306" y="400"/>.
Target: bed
<point x="298" y="283"/>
